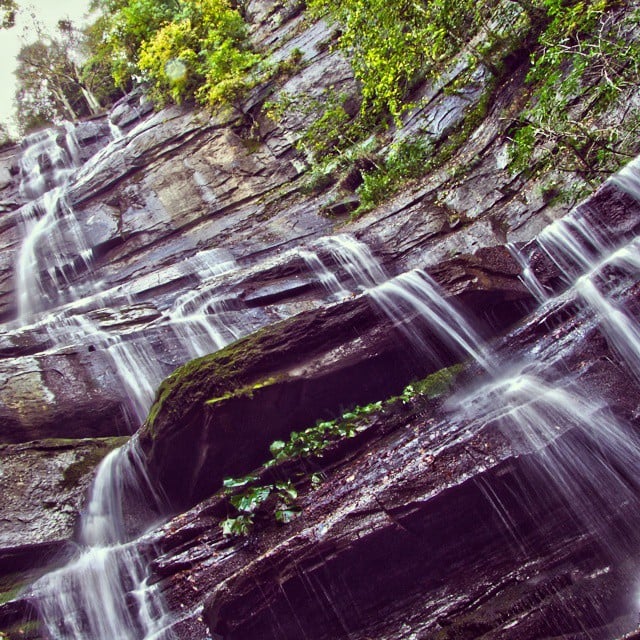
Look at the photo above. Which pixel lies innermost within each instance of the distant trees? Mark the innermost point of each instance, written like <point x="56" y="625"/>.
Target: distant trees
<point x="52" y="83"/>
<point x="181" y="49"/>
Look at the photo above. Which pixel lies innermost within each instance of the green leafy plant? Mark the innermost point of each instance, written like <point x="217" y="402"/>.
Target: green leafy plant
<point x="407" y="159"/>
<point x="311" y="441"/>
<point x="247" y="497"/>
<point x="183" y="49"/>
<point x="588" y="58"/>
<point x="247" y="502"/>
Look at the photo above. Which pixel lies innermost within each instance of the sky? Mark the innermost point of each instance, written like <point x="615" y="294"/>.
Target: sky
<point x="48" y="12"/>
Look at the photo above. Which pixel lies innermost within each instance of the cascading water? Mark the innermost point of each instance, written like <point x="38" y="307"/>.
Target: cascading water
<point x="583" y="454"/>
<point x="48" y="161"/>
<point x="103" y="593"/>
<point x="133" y="361"/>
<point x="579" y="446"/>
<point x="591" y="265"/>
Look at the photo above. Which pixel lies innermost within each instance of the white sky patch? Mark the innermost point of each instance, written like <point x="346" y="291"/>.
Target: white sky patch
<point x="47" y="12"/>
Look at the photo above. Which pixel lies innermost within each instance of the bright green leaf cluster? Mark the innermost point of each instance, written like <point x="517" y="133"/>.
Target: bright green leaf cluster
<point x="251" y="498"/>
<point x="394" y="43"/>
<point x="184" y="49"/>
<point x="312" y="441"/>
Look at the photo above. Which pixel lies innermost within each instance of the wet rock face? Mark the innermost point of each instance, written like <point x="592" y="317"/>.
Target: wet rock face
<point x="10" y="198"/>
<point x="260" y="389"/>
<point x="439" y="522"/>
<point x="430" y="522"/>
<point x="53" y="395"/>
<point x="290" y="374"/>
<point x="44" y="485"/>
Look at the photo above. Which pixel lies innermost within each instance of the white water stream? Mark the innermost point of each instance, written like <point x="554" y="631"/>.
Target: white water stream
<point x="103" y="594"/>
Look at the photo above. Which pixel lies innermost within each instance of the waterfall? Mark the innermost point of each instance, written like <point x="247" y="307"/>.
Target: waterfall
<point x="104" y="593"/>
<point x="54" y="248"/>
<point x="588" y="456"/>
<point x="417" y="307"/>
<point x="578" y="446"/>
<point x="591" y="265"/>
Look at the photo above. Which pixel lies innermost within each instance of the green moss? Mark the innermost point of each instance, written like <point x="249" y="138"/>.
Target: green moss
<point x="439" y="383"/>
<point x="11" y="584"/>
<point x="89" y="460"/>
<point x="5" y="596"/>
<point x="221" y="374"/>
<point x="243" y="392"/>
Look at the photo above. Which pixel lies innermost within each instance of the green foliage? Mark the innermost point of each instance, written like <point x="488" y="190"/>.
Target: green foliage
<point x="394" y="43"/>
<point x="170" y="61"/>
<point x="247" y="502"/>
<point x="240" y="525"/>
<point x="331" y="130"/>
<point x="184" y="49"/>
<point x="327" y="170"/>
<point x="332" y="127"/>
<point x="413" y="158"/>
<point x="96" y="71"/>
<point x="5" y="137"/>
<point x="247" y="497"/>
<point x="122" y="29"/>
<point x="303" y="444"/>
<point x="589" y="58"/>
<point x="407" y="159"/>
<point x="290" y="65"/>
<point x="585" y="61"/>
<point x="313" y="440"/>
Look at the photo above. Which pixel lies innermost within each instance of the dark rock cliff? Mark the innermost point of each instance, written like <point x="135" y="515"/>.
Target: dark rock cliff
<point x="440" y="517"/>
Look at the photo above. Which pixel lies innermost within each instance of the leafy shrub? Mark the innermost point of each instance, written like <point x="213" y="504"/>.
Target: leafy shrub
<point x="250" y="499"/>
<point x="394" y="43"/>
<point x="170" y="61"/>
<point x="406" y="160"/>
<point x="588" y="58"/>
<point x="184" y="49"/>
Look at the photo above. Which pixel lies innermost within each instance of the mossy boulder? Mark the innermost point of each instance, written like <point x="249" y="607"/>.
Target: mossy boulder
<point x="216" y="416"/>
